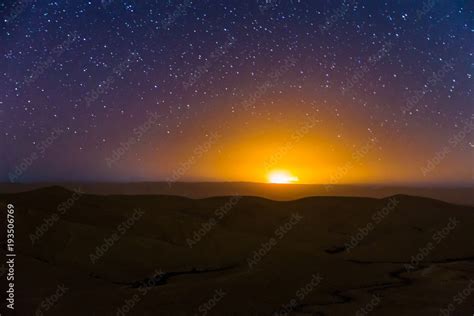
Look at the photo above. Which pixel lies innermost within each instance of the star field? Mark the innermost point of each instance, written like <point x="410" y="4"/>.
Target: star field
<point x="397" y="71"/>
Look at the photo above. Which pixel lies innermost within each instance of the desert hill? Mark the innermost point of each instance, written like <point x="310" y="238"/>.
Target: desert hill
<point x="456" y="194"/>
<point x="398" y="254"/>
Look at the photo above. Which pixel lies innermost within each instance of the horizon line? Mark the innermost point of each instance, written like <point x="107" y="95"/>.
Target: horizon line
<point x="416" y="184"/>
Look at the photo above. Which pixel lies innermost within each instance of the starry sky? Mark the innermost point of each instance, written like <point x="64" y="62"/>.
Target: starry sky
<point x="332" y="91"/>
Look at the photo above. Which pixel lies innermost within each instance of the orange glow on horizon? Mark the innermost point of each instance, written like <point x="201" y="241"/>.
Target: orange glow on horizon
<point x="281" y="176"/>
<point x="310" y="152"/>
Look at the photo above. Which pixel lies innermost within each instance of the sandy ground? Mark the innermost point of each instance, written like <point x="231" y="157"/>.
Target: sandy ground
<point x="80" y="254"/>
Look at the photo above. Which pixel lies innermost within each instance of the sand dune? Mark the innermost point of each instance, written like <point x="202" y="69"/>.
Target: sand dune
<point x="281" y="192"/>
<point x="241" y="255"/>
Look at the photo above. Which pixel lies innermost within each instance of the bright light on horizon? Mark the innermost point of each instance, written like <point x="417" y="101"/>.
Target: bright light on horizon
<point x="281" y="176"/>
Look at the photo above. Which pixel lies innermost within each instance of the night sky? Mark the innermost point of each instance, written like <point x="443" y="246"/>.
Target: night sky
<point x="330" y="91"/>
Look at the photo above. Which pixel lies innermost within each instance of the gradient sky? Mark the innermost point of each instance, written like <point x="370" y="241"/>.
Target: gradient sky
<point x="332" y="91"/>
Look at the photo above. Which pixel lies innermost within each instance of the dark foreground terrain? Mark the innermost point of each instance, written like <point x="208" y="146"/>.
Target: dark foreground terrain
<point x="79" y="254"/>
<point x="280" y="192"/>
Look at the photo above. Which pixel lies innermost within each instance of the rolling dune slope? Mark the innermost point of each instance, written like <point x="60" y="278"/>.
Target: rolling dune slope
<point x="241" y="255"/>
